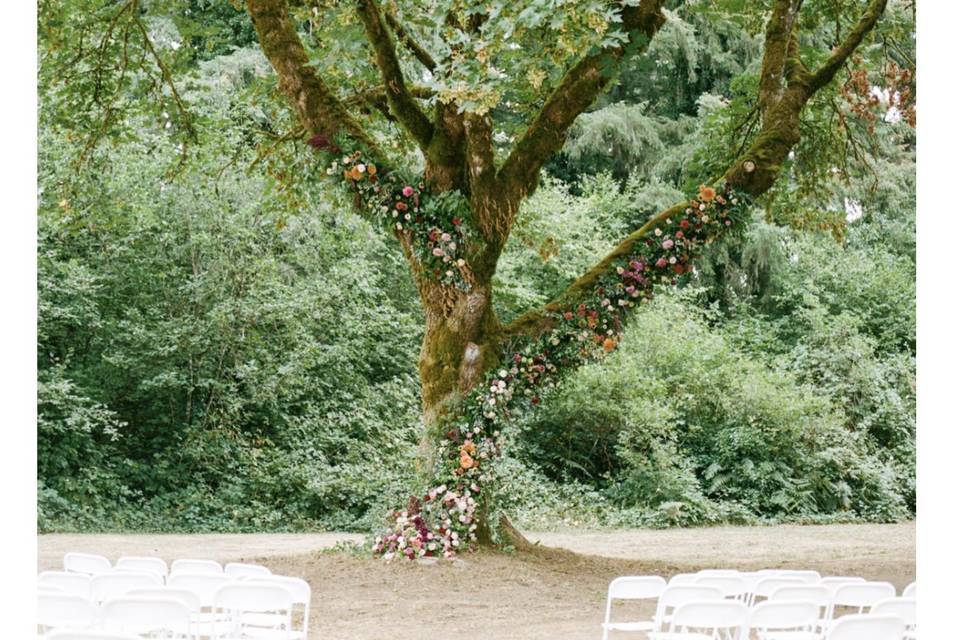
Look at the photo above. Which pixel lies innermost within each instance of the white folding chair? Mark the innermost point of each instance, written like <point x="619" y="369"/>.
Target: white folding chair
<point x="167" y="617"/>
<point x="237" y="569"/>
<point x="765" y="587"/>
<point x="732" y="586"/>
<point x="143" y="564"/>
<point x="805" y="575"/>
<point x="910" y="591"/>
<point x="719" y="620"/>
<point x="301" y="593"/>
<point x="118" y="583"/>
<point x="187" y="565"/>
<point x="682" y="578"/>
<point x="88" y="563"/>
<point x="631" y="588"/>
<point x="70" y="634"/>
<point x="65" y="610"/>
<point x="867" y="627"/>
<point x="675" y="595"/>
<point x="187" y="597"/>
<point x="204" y="586"/>
<point x="784" y="619"/>
<point x="816" y="594"/>
<point x="905" y="608"/>
<point x="68" y="582"/>
<point x="861" y="595"/>
<point x="241" y="599"/>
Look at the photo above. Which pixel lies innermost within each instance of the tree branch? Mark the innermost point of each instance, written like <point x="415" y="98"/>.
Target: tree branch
<point x="579" y="87"/>
<point x="402" y="103"/>
<point x="316" y="106"/>
<point x="418" y="51"/>
<point x="822" y="76"/>
<point x="779" y="35"/>
<point x="754" y="172"/>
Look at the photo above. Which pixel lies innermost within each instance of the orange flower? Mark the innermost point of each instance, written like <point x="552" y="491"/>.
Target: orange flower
<point x="355" y="173"/>
<point x="372" y="169"/>
<point x="466" y="461"/>
<point x="609" y="345"/>
<point x="468" y="447"/>
<point x="707" y="193"/>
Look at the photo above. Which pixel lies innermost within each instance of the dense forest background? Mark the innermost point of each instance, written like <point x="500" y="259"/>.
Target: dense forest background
<point x="222" y="349"/>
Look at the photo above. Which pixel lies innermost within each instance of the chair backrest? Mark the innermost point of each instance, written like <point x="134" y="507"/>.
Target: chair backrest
<point x="237" y="569"/>
<point x="205" y="585"/>
<point x="88" y="563"/>
<point x="861" y="595"/>
<point x="867" y="627"/>
<point x="905" y="608"/>
<point x="636" y="587"/>
<point x="675" y="595"/>
<point x="65" y="610"/>
<point x="806" y="575"/>
<point x="910" y="591"/>
<point x="711" y="616"/>
<point x="814" y="593"/>
<point x="69" y="634"/>
<point x="834" y="580"/>
<point x="252" y="597"/>
<point x="784" y="615"/>
<point x="188" y="565"/>
<point x="731" y="586"/>
<point x="68" y="582"/>
<point x="117" y="583"/>
<point x="682" y="578"/>
<point x="765" y="587"/>
<point x="146" y="615"/>
<point x="717" y="572"/>
<point x="300" y="589"/>
<point x="143" y="565"/>
<point x="185" y="596"/>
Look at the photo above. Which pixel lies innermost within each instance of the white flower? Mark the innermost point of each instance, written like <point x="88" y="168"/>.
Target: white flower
<point x="361" y="167"/>
<point x="461" y="262"/>
<point x="502" y="373"/>
<point x="673" y="260"/>
<point x="399" y="226"/>
<point x="702" y="206"/>
<point x="657" y="232"/>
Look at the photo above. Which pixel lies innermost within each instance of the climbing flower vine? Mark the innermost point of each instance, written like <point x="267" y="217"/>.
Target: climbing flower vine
<point x="445" y="519"/>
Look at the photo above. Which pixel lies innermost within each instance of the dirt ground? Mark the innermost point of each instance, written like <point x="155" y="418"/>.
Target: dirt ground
<point x="556" y="593"/>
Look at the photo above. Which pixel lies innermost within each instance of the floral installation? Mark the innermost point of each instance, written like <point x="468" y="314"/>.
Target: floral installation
<point x="444" y="520"/>
<point x="433" y="226"/>
<point x="586" y="330"/>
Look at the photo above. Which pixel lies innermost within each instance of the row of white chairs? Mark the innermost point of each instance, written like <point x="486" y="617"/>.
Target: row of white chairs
<point x="829" y="596"/>
<point x="93" y="564"/>
<point x="731" y="620"/>
<point x="247" y="609"/>
<point x="90" y="595"/>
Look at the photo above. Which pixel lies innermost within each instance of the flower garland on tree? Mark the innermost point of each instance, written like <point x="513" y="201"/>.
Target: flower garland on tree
<point x="444" y="519"/>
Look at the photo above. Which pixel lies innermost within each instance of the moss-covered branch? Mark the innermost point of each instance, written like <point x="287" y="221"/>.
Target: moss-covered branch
<point x="577" y="90"/>
<point x="822" y="76"/>
<point x="318" y="109"/>
<point x="401" y="101"/>
<point x="755" y="171"/>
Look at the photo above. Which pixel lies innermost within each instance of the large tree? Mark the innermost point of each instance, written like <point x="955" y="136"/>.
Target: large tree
<point x="482" y="95"/>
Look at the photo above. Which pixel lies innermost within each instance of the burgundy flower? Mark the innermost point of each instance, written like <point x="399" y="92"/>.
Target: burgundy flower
<point x="684" y="224"/>
<point x="456" y="222"/>
<point x="322" y="141"/>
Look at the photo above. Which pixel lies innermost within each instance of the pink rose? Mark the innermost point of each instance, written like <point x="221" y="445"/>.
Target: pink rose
<point x="662" y="262"/>
<point x="667" y="244"/>
<point x="408" y="191"/>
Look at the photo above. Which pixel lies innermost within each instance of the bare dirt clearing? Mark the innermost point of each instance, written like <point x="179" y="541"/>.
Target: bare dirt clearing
<point x="496" y="596"/>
